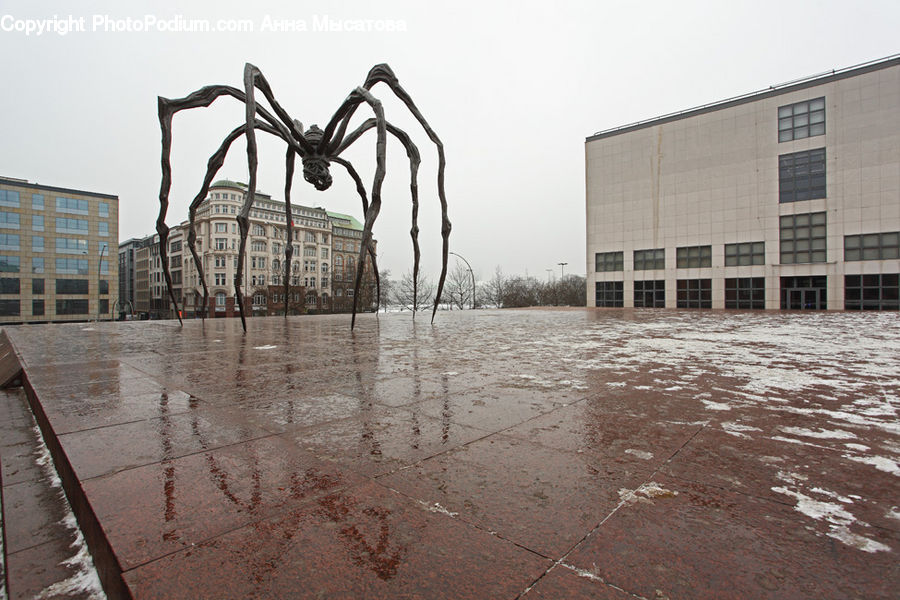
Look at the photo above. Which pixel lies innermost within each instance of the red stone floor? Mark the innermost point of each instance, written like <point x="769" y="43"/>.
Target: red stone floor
<point x="494" y="454"/>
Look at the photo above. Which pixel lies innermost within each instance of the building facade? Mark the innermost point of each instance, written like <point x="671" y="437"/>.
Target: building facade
<point x="316" y="236"/>
<point x="55" y="262"/>
<point x="787" y="198"/>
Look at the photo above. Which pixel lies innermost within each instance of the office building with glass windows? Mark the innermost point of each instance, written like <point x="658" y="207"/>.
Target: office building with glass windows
<point x="55" y="262"/>
<point x="787" y="198"/>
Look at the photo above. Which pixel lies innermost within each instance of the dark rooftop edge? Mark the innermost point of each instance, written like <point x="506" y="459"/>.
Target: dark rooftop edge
<point x="38" y="186"/>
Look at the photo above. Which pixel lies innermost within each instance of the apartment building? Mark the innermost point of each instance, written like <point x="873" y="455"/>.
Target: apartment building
<point x="55" y="262"/>
<point x="787" y="198"/>
<point x="316" y="234"/>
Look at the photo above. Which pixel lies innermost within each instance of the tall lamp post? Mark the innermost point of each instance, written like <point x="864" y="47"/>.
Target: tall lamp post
<point x="470" y="273"/>
<point x="104" y="246"/>
<point x="562" y="269"/>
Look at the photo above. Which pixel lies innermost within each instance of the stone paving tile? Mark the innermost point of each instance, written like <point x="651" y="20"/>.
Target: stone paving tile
<point x="540" y="498"/>
<point x="33" y="571"/>
<point x="677" y="539"/>
<point x="157" y="509"/>
<point x="89" y="412"/>
<point x="608" y="441"/>
<point x="362" y="542"/>
<point x="381" y="440"/>
<point x="406" y="390"/>
<point x="82" y="372"/>
<point x="33" y="512"/>
<point x="562" y="582"/>
<point x="153" y="440"/>
<point x="491" y="409"/>
<point x="278" y="415"/>
<point x="790" y="473"/>
<point x="18" y="462"/>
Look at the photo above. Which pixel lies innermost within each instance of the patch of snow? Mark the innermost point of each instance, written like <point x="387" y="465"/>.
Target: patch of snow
<point x="583" y="573"/>
<point x="710" y="405"/>
<point x="450" y="373"/>
<point x="816" y="509"/>
<point x="85" y="581"/>
<point x="879" y="462"/>
<point x="639" y="453"/>
<point x="857" y="541"/>
<point x="645" y="493"/>
<point x="736" y="429"/>
<point x="837" y="434"/>
<point x="437" y="508"/>
<point x="778" y="438"/>
<point x="268" y="347"/>
<point x="859" y="447"/>
<point x="838" y="519"/>
<point x="831" y="494"/>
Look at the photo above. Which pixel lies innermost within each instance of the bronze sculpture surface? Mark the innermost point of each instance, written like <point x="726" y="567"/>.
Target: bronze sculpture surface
<point x="317" y="149"/>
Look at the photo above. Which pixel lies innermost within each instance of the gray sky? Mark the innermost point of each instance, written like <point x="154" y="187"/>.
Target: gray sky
<point x="512" y="88"/>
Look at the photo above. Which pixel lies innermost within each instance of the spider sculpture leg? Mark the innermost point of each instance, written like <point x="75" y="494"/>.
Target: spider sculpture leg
<point x="384" y="74"/>
<point x="412" y="151"/>
<point x="212" y="167"/>
<point x="357" y="97"/>
<point x="361" y="189"/>
<point x="289" y="246"/>
<point x="202" y="98"/>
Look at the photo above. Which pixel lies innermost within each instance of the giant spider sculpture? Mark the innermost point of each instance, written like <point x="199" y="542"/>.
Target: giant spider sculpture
<point x="317" y="150"/>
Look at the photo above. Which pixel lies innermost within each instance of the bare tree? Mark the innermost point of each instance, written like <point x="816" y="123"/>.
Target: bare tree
<point x="458" y="288"/>
<point x="421" y="299"/>
<point x="492" y="291"/>
<point x="521" y="291"/>
<point x="387" y="288"/>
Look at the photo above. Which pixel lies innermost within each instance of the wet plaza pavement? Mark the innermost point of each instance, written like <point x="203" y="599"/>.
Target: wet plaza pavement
<point x="494" y="454"/>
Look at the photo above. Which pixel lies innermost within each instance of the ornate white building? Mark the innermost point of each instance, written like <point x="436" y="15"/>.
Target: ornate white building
<point x="313" y="237"/>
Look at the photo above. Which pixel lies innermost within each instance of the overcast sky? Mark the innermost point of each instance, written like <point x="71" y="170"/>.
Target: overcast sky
<point x="512" y="88"/>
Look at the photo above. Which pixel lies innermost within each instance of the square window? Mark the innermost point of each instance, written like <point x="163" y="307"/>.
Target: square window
<point x="801" y="120"/>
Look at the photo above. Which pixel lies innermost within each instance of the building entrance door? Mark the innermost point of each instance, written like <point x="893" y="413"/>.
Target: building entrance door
<point x="808" y="292"/>
<point x="804" y="299"/>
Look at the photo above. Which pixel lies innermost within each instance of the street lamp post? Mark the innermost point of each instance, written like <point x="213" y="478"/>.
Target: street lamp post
<point x="562" y="269"/>
<point x="472" y="273"/>
<point x="103" y="248"/>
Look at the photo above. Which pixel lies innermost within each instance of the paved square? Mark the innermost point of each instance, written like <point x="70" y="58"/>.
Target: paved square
<point x="494" y="454"/>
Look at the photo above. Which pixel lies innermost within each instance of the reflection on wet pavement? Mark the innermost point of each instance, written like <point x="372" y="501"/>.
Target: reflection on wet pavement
<point x="541" y="453"/>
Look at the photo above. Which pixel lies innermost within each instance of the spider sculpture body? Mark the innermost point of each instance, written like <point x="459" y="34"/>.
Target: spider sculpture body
<point x="317" y="149"/>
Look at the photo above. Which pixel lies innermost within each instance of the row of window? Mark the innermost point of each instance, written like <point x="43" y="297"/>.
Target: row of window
<point x="10" y="220"/>
<point x="12" y="285"/>
<point x="802" y="240"/>
<point x="64" y="266"/>
<point x="12" y="241"/>
<point x="12" y="308"/>
<point x="861" y="292"/>
<point x="76" y="206"/>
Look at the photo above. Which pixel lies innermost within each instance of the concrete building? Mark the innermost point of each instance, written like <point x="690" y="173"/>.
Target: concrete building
<point x="315" y="236"/>
<point x="784" y="198"/>
<point x="55" y="262"/>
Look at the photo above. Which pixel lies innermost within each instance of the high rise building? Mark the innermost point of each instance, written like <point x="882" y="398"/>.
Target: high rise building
<point x="55" y="262"/>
